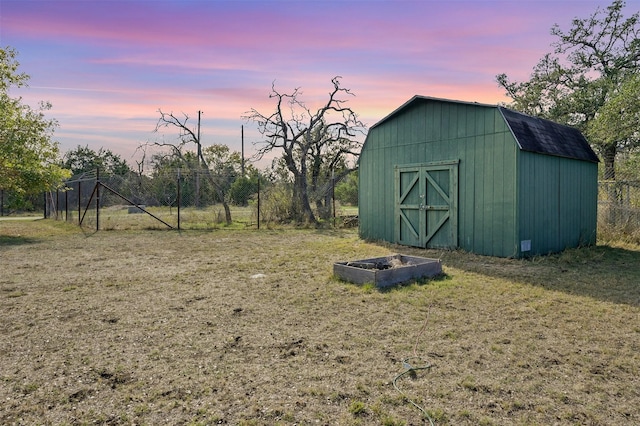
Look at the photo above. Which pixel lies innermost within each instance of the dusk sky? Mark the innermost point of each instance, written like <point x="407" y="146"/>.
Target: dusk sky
<point x="107" y="66"/>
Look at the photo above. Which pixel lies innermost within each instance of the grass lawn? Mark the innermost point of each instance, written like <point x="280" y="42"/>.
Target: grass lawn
<point x="251" y="328"/>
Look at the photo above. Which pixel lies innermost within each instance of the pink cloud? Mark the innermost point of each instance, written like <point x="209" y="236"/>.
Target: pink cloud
<point x="107" y="69"/>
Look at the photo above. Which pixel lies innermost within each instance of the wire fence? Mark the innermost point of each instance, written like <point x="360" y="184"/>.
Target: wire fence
<point x="189" y="200"/>
<point x="185" y="200"/>
<point x="619" y="209"/>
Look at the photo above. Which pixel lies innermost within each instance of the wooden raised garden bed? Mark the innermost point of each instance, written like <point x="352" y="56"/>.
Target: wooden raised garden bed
<point x="387" y="271"/>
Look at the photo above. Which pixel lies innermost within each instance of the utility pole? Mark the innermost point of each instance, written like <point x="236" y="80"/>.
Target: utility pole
<point x="199" y="145"/>
<point x="242" y="142"/>
<point x="197" y="200"/>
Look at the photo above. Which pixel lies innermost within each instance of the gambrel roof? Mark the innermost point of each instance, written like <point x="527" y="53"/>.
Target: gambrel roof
<point x="542" y="136"/>
<point x="532" y="134"/>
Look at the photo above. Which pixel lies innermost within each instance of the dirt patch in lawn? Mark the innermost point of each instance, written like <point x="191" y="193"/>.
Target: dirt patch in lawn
<point x="232" y="327"/>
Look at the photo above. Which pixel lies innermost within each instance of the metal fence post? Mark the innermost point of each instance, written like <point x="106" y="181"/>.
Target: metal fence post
<point x="66" y="206"/>
<point x="79" y="202"/>
<point x="57" y="202"/>
<point x="179" y="199"/>
<point x="97" y="199"/>
<point x="333" y="196"/>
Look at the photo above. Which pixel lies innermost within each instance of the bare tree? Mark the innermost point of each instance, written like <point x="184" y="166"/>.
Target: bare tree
<point x="303" y="135"/>
<point x="329" y="164"/>
<point x="188" y="136"/>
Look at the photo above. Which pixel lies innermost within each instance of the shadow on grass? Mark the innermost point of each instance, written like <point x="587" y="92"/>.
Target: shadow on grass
<point x="606" y="273"/>
<point x="403" y="286"/>
<point x="426" y="281"/>
<point x="8" y="240"/>
<point x="603" y="272"/>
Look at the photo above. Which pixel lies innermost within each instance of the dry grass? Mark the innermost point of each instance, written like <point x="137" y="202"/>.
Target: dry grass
<point x="118" y="217"/>
<point x="161" y="327"/>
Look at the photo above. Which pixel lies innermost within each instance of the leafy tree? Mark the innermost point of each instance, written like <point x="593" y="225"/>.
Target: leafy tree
<point x="29" y="158"/>
<point x="215" y="162"/>
<point x="630" y="166"/>
<point x="589" y="64"/>
<point x="618" y="121"/>
<point x="224" y="166"/>
<point x="114" y="172"/>
<point x="83" y="160"/>
<point x="244" y="187"/>
<point x="226" y="170"/>
<point x="307" y="139"/>
<point x="186" y="136"/>
<point x="164" y="178"/>
<point x="347" y="190"/>
<point x="13" y="202"/>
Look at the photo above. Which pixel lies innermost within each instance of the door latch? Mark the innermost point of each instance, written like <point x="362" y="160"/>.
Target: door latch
<point x="422" y="206"/>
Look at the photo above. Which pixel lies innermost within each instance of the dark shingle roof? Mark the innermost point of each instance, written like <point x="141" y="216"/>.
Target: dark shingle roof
<point x="531" y="133"/>
<point x="546" y="137"/>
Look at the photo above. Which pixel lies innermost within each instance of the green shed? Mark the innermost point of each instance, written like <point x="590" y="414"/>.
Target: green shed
<point x="440" y="173"/>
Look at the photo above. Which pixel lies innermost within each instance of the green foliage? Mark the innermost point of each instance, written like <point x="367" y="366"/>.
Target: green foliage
<point x="28" y="155"/>
<point x="224" y="167"/>
<point x="585" y="79"/>
<point x="9" y="75"/>
<point x="347" y="191"/>
<point x="14" y="201"/>
<point x="218" y="181"/>
<point x="358" y="408"/>
<point x="369" y="287"/>
<point x="589" y="61"/>
<point x="215" y="164"/>
<point x="619" y="118"/>
<point x="164" y="179"/>
<point x="244" y="188"/>
<point x="629" y="166"/>
<point x="437" y="415"/>
<point x="276" y="203"/>
<point x="85" y="160"/>
<point x="390" y="421"/>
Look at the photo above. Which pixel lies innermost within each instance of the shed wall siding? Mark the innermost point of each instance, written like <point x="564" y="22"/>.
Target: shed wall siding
<point x="505" y="195"/>
<point x="438" y="131"/>
<point x="558" y="202"/>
